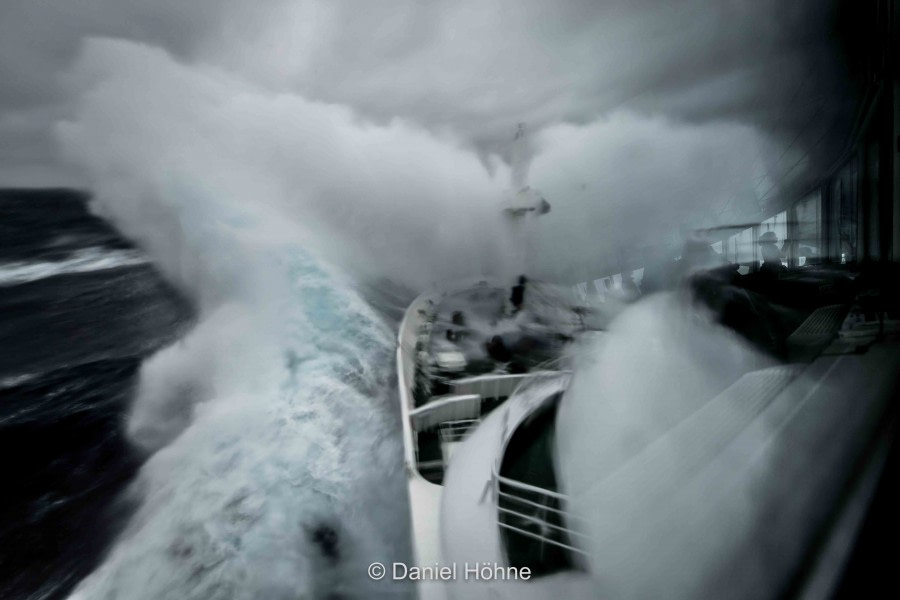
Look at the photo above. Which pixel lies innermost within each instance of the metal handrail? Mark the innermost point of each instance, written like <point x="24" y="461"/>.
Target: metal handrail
<point x="542" y="538"/>
<point x="459" y="424"/>
<point x="528" y="487"/>
<point x="547" y="504"/>
<point x="538" y="505"/>
<point x="447" y="409"/>
<point x="454" y="431"/>
<point x="542" y="522"/>
<point x="493" y="385"/>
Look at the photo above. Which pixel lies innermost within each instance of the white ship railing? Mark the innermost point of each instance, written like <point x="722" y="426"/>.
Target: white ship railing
<point x="413" y="320"/>
<point x="489" y="386"/>
<point x="448" y="408"/>
<point x="527" y="509"/>
<point x="457" y="431"/>
<point x="537" y="508"/>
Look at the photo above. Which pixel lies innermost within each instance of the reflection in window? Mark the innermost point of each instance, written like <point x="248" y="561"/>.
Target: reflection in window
<point x="603" y="287"/>
<point x="731" y="248"/>
<point x="744" y="246"/>
<point x="808" y="216"/>
<point x="846" y="201"/>
<point x="873" y="211"/>
<point x="638" y="277"/>
<point x="774" y="227"/>
<point x="739" y="249"/>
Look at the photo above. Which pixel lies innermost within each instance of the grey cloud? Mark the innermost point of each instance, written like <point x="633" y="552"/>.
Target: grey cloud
<point x="38" y="43"/>
<point x="477" y="68"/>
<point x="470" y="69"/>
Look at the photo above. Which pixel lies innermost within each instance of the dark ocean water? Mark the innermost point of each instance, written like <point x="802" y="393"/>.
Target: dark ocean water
<point x="80" y="308"/>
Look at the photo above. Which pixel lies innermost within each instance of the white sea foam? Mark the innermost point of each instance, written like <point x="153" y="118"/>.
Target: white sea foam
<point x="83" y="260"/>
<point x="273" y="425"/>
<point x="272" y="433"/>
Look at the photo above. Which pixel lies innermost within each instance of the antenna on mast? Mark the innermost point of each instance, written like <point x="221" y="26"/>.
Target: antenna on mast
<point x="522" y="206"/>
<point x="524" y="200"/>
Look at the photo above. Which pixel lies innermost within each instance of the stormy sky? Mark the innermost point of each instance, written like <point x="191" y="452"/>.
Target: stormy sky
<point x="763" y="79"/>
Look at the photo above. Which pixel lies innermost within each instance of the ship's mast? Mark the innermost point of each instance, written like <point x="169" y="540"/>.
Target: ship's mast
<point x="522" y="208"/>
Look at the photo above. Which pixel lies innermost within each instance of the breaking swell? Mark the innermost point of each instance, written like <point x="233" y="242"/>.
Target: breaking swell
<point x="275" y="460"/>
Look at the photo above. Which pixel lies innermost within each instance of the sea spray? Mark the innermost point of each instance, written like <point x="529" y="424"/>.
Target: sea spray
<point x="275" y="468"/>
<point x="281" y="431"/>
